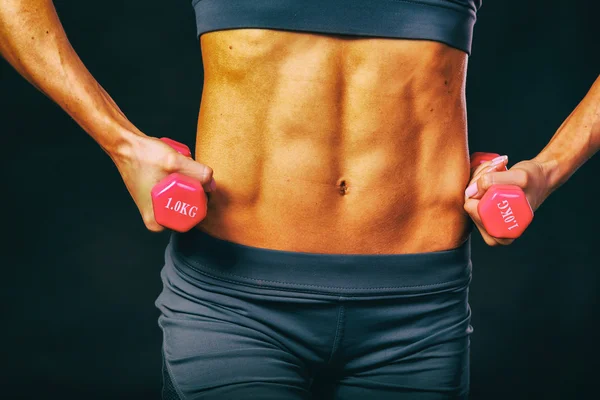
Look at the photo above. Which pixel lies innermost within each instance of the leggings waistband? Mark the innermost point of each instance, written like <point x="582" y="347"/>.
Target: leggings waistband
<point x="199" y="254"/>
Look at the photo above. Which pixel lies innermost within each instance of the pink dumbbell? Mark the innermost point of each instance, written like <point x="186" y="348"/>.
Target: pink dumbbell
<point x="504" y="209"/>
<point x="179" y="201"/>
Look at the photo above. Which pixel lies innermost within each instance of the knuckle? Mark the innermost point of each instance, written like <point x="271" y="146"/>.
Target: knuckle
<point x="470" y="208"/>
<point x="154" y="227"/>
<point x="207" y="174"/>
<point x="171" y="161"/>
<point x="522" y="178"/>
<point x="486" y="181"/>
<point x="482" y="167"/>
<point x="491" y="242"/>
<point x="151" y="223"/>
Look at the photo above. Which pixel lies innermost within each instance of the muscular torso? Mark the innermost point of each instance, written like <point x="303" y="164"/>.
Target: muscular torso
<point x="334" y="144"/>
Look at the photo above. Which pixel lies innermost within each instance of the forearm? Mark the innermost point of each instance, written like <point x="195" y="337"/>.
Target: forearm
<point x="33" y="41"/>
<point x="575" y="141"/>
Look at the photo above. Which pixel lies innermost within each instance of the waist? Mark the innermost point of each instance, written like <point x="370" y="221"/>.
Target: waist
<point x="355" y="215"/>
<point x="202" y="256"/>
<point x="402" y="192"/>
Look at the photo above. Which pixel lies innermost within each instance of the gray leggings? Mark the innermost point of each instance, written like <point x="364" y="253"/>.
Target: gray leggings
<point x="243" y="322"/>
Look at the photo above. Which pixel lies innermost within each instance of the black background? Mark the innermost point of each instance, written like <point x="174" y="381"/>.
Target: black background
<point x="80" y="273"/>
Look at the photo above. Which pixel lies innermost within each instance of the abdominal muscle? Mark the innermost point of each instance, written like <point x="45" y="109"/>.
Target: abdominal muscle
<point x="331" y="144"/>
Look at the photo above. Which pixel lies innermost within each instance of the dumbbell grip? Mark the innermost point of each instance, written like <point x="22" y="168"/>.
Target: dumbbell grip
<point x="179" y="202"/>
<point x="504" y="210"/>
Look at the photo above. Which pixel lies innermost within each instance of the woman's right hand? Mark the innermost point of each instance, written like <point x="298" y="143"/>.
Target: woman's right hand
<point x="146" y="160"/>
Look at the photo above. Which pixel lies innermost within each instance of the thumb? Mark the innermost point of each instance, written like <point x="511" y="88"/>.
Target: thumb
<point x="195" y="170"/>
<point x="517" y="177"/>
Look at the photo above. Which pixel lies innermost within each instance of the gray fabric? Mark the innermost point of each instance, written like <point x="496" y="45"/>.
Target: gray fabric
<point x="446" y="21"/>
<point x="228" y="335"/>
<point x="168" y="389"/>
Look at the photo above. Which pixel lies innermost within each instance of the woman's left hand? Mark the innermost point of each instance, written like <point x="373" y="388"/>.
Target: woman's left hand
<point x="528" y="175"/>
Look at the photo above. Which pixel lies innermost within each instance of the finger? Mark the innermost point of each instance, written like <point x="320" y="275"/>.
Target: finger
<point x="193" y="169"/>
<point x="486" y="168"/>
<point x="151" y="223"/>
<point x="517" y="177"/>
<point x="485" y="164"/>
<point x="147" y="213"/>
<point x="471" y="208"/>
<point x="492" y="167"/>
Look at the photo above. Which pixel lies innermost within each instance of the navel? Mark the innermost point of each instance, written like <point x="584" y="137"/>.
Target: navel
<point x="342" y="187"/>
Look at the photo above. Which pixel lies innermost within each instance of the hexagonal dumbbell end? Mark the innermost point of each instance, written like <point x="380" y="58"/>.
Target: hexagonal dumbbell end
<point x="179" y="201"/>
<point x="505" y="211"/>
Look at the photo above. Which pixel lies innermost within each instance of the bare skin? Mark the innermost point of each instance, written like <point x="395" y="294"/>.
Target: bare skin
<point x="334" y="144"/>
<point x="318" y="143"/>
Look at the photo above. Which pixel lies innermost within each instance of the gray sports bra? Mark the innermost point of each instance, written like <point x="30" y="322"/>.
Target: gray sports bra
<point x="447" y="21"/>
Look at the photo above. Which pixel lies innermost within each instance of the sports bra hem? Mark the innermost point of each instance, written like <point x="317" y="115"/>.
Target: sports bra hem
<point x="436" y="20"/>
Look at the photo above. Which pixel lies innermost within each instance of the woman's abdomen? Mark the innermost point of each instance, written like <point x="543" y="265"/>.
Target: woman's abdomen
<point x="334" y="145"/>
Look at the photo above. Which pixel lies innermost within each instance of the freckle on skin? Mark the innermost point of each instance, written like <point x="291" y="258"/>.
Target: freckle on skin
<point x="230" y="47"/>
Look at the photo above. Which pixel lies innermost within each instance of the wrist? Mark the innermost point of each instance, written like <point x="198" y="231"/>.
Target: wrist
<point x="121" y="143"/>
<point x="550" y="170"/>
<point x="109" y="126"/>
